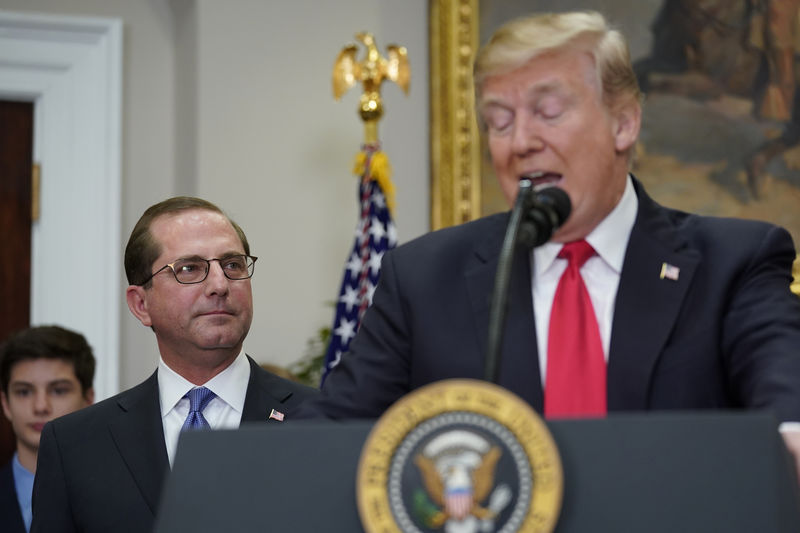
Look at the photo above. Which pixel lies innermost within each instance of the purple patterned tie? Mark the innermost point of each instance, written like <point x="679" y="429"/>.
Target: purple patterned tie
<point x="198" y="399"/>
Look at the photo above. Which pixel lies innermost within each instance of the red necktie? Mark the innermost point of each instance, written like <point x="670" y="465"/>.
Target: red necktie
<point x="576" y="368"/>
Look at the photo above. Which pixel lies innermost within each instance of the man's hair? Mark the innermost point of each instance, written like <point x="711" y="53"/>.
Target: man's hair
<point x="142" y="249"/>
<point x="522" y="39"/>
<point x="48" y="342"/>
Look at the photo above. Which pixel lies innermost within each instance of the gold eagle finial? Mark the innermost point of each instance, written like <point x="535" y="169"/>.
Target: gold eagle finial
<point x="371" y="72"/>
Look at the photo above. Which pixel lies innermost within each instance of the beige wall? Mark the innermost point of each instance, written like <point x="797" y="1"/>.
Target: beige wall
<point x="231" y="101"/>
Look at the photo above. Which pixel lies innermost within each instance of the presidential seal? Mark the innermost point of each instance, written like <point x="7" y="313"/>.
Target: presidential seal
<point x="459" y="456"/>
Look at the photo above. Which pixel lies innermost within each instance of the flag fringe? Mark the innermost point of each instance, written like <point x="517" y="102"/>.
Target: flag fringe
<point x="379" y="170"/>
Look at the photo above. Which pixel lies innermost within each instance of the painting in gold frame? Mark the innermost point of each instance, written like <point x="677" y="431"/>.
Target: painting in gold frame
<point x="694" y="142"/>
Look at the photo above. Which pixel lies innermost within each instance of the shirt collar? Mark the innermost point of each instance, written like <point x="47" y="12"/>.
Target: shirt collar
<point x="230" y="385"/>
<point x="21" y="474"/>
<point x="609" y="239"/>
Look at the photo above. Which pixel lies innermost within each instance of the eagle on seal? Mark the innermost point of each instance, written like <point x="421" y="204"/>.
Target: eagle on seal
<point x="458" y="483"/>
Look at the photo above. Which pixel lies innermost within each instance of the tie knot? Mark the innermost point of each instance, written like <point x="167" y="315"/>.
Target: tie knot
<point x="576" y="252"/>
<point x="199" y="398"/>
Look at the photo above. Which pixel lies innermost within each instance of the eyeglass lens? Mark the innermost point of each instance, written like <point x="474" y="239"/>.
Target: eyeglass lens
<point x="196" y="270"/>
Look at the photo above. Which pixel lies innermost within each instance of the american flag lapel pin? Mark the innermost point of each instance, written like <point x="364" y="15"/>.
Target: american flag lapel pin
<point x="276" y="415"/>
<point x="669" y="272"/>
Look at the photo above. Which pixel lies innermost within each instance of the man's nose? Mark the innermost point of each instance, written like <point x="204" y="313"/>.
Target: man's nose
<point x="216" y="281"/>
<point x="526" y="135"/>
<point x="41" y="402"/>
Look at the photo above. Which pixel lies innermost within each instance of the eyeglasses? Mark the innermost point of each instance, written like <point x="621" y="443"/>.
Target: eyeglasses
<point x="195" y="270"/>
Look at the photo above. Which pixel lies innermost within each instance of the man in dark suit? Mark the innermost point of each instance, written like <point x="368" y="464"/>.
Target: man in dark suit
<point x="684" y="311"/>
<point x="45" y="372"/>
<point x="189" y="268"/>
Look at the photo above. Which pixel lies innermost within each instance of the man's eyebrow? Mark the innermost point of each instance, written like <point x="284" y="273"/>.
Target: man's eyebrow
<point x="491" y="103"/>
<point x="225" y="255"/>
<point x="545" y="87"/>
<point x="188" y="258"/>
<point x="491" y="100"/>
<point x="534" y="91"/>
<point x="60" y="381"/>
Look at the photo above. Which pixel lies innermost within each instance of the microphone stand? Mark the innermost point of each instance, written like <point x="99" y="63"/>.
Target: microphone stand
<point x="499" y="302"/>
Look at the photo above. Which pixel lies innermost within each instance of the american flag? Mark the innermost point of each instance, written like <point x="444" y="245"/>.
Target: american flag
<point x="669" y="271"/>
<point x="374" y="235"/>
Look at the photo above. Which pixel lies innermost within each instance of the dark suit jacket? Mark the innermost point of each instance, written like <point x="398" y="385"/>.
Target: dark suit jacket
<point x="10" y="515"/>
<point x="101" y="469"/>
<point x="725" y="334"/>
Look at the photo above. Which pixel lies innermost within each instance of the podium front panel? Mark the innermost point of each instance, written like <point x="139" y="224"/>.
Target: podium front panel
<point x="627" y="473"/>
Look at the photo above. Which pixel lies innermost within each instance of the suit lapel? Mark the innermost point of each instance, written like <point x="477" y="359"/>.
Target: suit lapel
<point x="138" y="431"/>
<point x="9" y="505"/>
<point x="519" y="366"/>
<point x="139" y="436"/>
<point x="264" y="393"/>
<point x="647" y="303"/>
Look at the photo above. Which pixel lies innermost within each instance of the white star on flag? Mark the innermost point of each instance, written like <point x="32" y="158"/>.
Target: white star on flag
<point x="378" y="200"/>
<point x="391" y="233"/>
<point x="349" y="298"/>
<point x="375" y="262"/>
<point x="376" y="230"/>
<point x="354" y="265"/>
<point x="346" y="330"/>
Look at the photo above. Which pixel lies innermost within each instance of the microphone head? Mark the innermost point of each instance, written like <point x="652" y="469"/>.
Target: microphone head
<point x="558" y="200"/>
<point x="547" y="210"/>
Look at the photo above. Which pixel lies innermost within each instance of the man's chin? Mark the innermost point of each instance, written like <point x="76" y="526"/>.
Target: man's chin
<point x="224" y="339"/>
<point x="220" y="332"/>
<point x="561" y="235"/>
<point x="567" y="233"/>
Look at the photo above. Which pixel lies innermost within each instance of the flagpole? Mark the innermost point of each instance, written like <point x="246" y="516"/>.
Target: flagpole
<point x="375" y="232"/>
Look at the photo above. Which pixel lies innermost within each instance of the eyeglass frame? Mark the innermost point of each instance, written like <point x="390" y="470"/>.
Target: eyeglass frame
<point x="171" y="267"/>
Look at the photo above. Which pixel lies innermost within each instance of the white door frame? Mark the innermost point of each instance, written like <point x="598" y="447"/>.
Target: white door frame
<point x="71" y="68"/>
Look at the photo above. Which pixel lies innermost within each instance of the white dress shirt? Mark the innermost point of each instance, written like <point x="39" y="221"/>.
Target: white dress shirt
<point x="600" y="273"/>
<point x="223" y="411"/>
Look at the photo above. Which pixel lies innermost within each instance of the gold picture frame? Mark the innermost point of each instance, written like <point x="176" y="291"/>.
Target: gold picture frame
<point x="455" y="152"/>
<point x="457" y="168"/>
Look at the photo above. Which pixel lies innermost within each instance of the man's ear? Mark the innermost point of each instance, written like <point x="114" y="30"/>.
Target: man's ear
<point x="89" y="396"/>
<point x="627" y="123"/>
<point x="137" y="303"/>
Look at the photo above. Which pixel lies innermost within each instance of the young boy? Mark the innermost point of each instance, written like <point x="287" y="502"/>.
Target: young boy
<point x="45" y="372"/>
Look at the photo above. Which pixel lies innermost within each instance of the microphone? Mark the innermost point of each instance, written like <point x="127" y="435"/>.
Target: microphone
<point x="546" y="211"/>
<point x="534" y="218"/>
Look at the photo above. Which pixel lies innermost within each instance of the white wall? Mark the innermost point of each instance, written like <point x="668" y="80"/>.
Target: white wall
<point x="283" y="163"/>
<point x="71" y="67"/>
<point x="231" y="101"/>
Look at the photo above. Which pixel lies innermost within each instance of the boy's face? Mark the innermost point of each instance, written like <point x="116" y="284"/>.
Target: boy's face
<point x="40" y="390"/>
